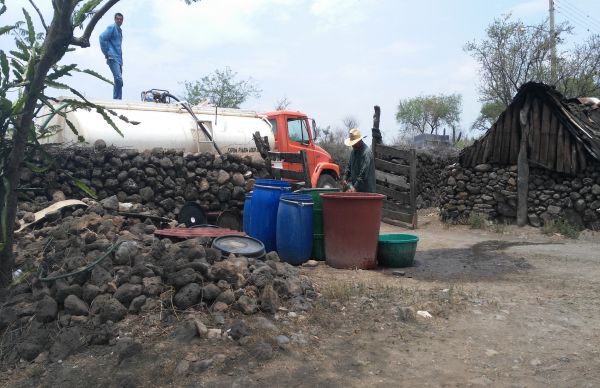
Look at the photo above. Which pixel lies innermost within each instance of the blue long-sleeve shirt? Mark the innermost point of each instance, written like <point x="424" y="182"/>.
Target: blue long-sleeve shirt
<point x="110" y="43"/>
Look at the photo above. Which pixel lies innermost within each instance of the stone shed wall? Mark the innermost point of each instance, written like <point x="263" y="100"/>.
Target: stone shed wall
<point x="492" y="190"/>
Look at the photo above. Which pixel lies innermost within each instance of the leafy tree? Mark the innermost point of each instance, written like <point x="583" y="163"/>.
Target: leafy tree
<point x="488" y="115"/>
<point x="430" y="114"/>
<point x="221" y="89"/>
<point x="28" y="69"/>
<point x="512" y="54"/>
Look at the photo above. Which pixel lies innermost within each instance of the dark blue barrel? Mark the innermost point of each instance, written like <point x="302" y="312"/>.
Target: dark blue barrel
<point x="247" y="215"/>
<point x="263" y="212"/>
<point x="295" y="228"/>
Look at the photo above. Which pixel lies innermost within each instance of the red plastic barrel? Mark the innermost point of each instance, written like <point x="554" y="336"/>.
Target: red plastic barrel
<point x="351" y="225"/>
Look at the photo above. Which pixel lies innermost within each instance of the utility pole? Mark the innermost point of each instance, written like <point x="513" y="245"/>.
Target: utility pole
<point x="552" y="42"/>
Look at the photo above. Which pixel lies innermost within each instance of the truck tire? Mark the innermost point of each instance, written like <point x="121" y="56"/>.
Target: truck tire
<point x="327" y="181"/>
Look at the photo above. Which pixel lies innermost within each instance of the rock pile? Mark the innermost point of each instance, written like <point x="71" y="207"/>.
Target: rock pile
<point x="140" y="274"/>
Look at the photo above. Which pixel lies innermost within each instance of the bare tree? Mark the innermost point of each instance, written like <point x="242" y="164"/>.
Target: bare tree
<point x="512" y="54"/>
<point x="350" y="122"/>
<point x="282" y="104"/>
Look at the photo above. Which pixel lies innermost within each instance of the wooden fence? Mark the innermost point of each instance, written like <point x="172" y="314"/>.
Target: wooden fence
<point x="396" y="177"/>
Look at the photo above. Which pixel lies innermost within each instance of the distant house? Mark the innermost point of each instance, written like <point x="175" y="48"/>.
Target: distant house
<point x="564" y="135"/>
<point x="426" y="140"/>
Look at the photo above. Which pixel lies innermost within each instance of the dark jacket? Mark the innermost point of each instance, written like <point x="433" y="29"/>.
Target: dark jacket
<point x="360" y="172"/>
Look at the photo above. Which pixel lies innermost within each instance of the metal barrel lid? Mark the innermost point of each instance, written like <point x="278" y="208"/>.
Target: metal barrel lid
<point x="230" y="219"/>
<point x="191" y="214"/>
<point x="239" y="245"/>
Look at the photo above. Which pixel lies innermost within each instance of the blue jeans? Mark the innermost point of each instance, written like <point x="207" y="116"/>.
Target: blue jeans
<point x="116" y="70"/>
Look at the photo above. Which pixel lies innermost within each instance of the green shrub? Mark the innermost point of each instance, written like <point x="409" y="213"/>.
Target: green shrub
<point x="477" y="220"/>
<point x="561" y="226"/>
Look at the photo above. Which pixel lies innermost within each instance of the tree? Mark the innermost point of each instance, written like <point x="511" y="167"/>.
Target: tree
<point x="350" y="122"/>
<point x="488" y="115"/>
<point x="283" y="104"/>
<point x="28" y="69"/>
<point x="221" y="89"/>
<point x="430" y="114"/>
<point x="513" y="54"/>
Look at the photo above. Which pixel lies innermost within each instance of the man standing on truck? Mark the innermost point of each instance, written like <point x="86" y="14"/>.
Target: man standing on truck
<point x="360" y="173"/>
<point x="110" y="44"/>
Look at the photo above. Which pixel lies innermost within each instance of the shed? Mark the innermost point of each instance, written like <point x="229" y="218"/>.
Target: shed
<point x="563" y="135"/>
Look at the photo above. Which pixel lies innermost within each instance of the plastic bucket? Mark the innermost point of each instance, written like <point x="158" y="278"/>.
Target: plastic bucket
<point x="246" y="214"/>
<point x="351" y="224"/>
<point x="263" y="212"/>
<point x="397" y="250"/>
<point x="318" y="252"/>
<point x="294" y="233"/>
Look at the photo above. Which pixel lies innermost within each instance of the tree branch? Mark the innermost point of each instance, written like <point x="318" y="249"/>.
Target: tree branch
<point x="39" y="14"/>
<point x="84" y="40"/>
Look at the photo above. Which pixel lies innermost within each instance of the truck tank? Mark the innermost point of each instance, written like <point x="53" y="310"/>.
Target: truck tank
<point x="167" y="126"/>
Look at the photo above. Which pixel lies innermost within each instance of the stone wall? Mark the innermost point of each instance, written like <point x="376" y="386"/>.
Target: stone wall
<point x="161" y="180"/>
<point x="430" y="167"/>
<point x="492" y="190"/>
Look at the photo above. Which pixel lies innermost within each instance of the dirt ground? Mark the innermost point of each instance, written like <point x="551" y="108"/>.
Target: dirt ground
<point x="510" y="307"/>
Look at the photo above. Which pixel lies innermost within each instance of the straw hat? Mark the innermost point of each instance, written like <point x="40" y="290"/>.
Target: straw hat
<point x="354" y="138"/>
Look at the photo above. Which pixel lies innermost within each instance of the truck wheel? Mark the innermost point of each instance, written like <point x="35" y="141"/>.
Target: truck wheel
<point x="326" y="181"/>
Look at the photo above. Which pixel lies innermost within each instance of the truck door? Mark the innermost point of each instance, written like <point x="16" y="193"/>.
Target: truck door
<point x="299" y="139"/>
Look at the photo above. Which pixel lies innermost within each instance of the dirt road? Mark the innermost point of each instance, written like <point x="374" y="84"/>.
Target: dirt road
<point x="516" y="308"/>
<point x="509" y="306"/>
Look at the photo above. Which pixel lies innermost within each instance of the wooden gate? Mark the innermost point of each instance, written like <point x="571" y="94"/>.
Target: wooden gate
<point x="396" y="177"/>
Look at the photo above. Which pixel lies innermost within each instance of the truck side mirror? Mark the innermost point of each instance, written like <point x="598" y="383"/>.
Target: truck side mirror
<point x="314" y="131"/>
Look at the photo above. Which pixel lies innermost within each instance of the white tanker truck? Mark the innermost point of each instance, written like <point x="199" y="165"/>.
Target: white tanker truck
<point x="193" y="129"/>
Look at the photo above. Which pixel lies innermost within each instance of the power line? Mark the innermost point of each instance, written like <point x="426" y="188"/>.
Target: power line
<point x="589" y="25"/>
<point x="580" y="19"/>
<point x="584" y="14"/>
<point x="572" y="17"/>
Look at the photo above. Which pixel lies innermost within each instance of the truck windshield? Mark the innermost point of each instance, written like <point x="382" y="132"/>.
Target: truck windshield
<point x="298" y="131"/>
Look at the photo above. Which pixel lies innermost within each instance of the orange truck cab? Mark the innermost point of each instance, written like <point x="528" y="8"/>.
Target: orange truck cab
<point x="294" y="132"/>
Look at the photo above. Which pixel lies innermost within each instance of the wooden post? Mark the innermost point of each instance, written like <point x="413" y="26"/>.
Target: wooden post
<point x="413" y="187"/>
<point x="375" y="132"/>
<point x="523" y="165"/>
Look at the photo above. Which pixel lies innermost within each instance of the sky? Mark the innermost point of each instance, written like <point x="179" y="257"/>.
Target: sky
<point x="330" y="58"/>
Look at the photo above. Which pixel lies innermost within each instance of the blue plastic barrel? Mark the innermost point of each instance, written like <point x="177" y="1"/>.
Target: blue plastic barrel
<point x="263" y="210"/>
<point x="247" y="215"/>
<point x="294" y="232"/>
<point x="272" y="182"/>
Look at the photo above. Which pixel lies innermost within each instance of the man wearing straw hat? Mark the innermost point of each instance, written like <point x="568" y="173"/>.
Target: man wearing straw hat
<point x="360" y="173"/>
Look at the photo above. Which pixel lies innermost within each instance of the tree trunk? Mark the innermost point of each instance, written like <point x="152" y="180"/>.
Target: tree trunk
<point x="523" y="166"/>
<point x="56" y="43"/>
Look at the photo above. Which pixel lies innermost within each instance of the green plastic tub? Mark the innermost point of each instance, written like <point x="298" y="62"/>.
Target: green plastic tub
<point x="318" y="251"/>
<point x="396" y="250"/>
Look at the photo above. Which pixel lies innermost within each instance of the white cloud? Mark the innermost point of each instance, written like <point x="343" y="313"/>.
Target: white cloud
<point x="211" y="23"/>
<point x="338" y="13"/>
<point x="400" y="48"/>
